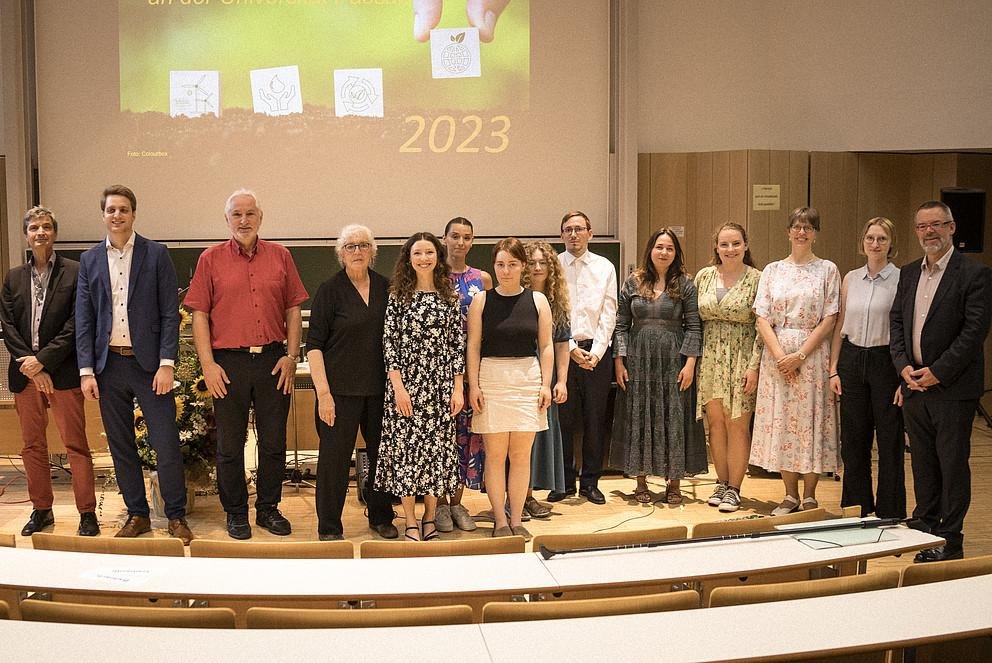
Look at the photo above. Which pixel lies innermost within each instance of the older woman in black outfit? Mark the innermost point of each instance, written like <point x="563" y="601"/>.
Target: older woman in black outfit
<point x="344" y="348"/>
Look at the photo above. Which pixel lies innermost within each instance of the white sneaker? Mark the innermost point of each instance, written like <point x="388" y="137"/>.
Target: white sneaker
<point x="789" y="504"/>
<point x="717" y="497"/>
<point x="731" y="500"/>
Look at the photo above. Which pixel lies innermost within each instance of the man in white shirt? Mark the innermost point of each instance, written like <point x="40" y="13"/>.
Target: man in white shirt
<point x="592" y="286"/>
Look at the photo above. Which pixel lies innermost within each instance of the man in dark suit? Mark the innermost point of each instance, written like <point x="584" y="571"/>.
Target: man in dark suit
<point x="39" y="331"/>
<point x="939" y="321"/>
<point x="128" y="284"/>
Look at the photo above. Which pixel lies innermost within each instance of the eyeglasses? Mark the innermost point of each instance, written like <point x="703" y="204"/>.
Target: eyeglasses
<point x="355" y="247"/>
<point x="802" y="228"/>
<point x="936" y="225"/>
<point x="573" y="230"/>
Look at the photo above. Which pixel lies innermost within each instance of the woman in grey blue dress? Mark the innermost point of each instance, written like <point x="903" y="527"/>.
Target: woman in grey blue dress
<point x="547" y="466"/>
<point x="656" y="342"/>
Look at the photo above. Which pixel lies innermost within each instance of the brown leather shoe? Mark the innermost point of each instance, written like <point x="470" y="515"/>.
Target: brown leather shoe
<point x="135" y="526"/>
<point x="179" y="528"/>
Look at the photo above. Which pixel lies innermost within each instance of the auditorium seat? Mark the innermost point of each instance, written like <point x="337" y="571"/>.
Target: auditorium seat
<point x="114" y="615"/>
<point x="784" y="591"/>
<point x="158" y="546"/>
<point x="751" y="525"/>
<point x="280" y="550"/>
<point x="918" y="574"/>
<point x="608" y="539"/>
<point x="488" y="546"/>
<point x="360" y="618"/>
<point x="519" y="611"/>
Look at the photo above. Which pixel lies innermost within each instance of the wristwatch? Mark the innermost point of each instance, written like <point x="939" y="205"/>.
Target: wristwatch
<point x="296" y="358"/>
<point x="801" y="355"/>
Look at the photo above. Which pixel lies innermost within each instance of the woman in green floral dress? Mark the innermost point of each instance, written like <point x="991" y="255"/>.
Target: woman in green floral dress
<point x="728" y="369"/>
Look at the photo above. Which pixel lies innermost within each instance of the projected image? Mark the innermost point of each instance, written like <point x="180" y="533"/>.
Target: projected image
<point x="417" y="46"/>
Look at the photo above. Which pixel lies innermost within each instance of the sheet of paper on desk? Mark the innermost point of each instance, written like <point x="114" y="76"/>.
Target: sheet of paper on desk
<point x="118" y="576"/>
<point x="838" y="538"/>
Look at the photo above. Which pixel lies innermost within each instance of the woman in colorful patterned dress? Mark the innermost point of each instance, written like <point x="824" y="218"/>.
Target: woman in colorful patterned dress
<point x="425" y="360"/>
<point x="728" y="369"/>
<point x="458" y="237"/>
<point x="795" y="428"/>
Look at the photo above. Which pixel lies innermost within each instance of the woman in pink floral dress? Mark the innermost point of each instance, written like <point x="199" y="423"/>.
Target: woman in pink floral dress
<point x="795" y="427"/>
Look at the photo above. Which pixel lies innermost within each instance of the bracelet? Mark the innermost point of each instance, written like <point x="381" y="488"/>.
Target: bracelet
<point x="835" y="375"/>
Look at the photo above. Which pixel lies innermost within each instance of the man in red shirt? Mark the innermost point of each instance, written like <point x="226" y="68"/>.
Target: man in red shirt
<point x="247" y="325"/>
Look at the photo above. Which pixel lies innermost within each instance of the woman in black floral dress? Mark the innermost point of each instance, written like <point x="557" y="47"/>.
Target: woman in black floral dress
<point x="424" y="348"/>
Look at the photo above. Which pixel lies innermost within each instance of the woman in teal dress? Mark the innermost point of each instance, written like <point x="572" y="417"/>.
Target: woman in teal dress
<point x="547" y="462"/>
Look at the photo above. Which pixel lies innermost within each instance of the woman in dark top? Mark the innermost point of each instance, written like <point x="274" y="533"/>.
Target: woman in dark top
<point x="344" y="348"/>
<point x="509" y="370"/>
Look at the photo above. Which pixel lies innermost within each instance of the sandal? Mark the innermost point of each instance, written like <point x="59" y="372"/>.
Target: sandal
<point x="433" y="535"/>
<point x="643" y="496"/>
<point x="673" y="495"/>
<point x="416" y="529"/>
<point x="535" y="509"/>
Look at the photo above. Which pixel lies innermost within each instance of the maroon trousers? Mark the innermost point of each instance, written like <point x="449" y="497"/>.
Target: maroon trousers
<point x="67" y="410"/>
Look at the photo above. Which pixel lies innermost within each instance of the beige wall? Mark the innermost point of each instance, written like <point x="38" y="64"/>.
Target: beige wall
<point x="814" y="75"/>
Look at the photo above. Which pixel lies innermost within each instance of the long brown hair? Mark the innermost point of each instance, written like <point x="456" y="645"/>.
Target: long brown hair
<point x="648" y="277"/>
<point x="730" y="225"/>
<point x="404" y="282"/>
<point x="555" y="287"/>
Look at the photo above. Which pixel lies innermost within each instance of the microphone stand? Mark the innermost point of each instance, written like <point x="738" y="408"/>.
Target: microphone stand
<point x="913" y="523"/>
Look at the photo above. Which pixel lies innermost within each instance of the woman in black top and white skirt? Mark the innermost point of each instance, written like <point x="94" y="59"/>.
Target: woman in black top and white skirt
<point x="509" y="372"/>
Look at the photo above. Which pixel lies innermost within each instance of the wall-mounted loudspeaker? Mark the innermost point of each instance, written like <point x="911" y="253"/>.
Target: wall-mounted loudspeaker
<point x="968" y="207"/>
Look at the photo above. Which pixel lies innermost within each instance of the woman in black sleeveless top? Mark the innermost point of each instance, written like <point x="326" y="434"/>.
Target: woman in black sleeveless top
<point x="509" y="371"/>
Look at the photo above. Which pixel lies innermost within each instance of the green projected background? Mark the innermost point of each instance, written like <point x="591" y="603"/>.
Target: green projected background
<point x="237" y="36"/>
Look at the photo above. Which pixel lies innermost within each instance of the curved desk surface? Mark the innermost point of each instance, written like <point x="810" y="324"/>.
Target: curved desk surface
<point x="201" y="577"/>
<point x="904" y="616"/>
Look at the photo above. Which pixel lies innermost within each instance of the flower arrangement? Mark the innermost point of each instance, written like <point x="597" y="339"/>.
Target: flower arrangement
<point x="194" y="418"/>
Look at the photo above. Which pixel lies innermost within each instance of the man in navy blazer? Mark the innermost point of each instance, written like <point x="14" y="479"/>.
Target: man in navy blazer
<point x="939" y="321"/>
<point x="127" y="340"/>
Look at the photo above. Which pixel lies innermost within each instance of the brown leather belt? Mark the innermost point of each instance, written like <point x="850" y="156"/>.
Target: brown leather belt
<point x="122" y="350"/>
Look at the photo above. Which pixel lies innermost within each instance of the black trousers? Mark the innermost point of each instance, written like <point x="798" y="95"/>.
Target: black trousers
<point x="869" y="382"/>
<point x="252" y="386"/>
<point x="940" y="444"/>
<point x="337" y="443"/>
<point x="585" y="412"/>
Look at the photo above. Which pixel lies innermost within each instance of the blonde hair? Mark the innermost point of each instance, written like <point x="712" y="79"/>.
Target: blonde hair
<point x="890" y="230"/>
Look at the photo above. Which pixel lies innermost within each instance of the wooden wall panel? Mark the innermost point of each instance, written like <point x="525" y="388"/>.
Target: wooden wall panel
<point x="643" y="210"/>
<point x="834" y="193"/>
<point x="701" y="219"/>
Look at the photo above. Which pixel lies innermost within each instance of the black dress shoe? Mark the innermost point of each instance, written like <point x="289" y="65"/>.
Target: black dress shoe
<point x="385" y="530"/>
<point x="238" y="527"/>
<point x="939" y="554"/>
<point x="88" y="526"/>
<point x="273" y="521"/>
<point x="331" y="537"/>
<point x="558" y="496"/>
<point x="593" y="494"/>
<point x="39" y="520"/>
